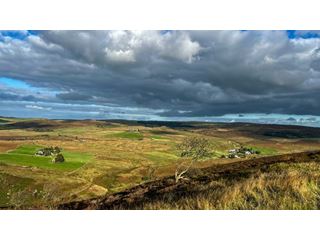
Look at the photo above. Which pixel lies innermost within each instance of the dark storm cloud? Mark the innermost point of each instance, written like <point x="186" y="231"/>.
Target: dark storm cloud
<point x="185" y="73"/>
<point x="10" y="96"/>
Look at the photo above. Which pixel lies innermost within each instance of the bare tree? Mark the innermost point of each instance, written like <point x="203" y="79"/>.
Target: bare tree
<point x="193" y="149"/>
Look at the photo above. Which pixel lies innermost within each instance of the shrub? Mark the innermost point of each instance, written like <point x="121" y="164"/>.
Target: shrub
<point x="59" y="158"/>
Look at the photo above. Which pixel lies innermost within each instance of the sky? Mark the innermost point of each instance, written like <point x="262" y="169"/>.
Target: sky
<point x="252" y="76"/>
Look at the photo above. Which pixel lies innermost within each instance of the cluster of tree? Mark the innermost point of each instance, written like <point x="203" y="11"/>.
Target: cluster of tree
<point x="58" y="158"/>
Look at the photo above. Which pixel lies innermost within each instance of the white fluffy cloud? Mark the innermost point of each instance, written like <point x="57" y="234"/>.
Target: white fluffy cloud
<point x="102" y="47"/>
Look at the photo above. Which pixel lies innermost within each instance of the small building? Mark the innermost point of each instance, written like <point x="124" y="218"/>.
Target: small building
<point x="241" y="152"/>
<point x="39" y="153"/>
<point x="232" y="150"/>
<point x="48" y="151"/>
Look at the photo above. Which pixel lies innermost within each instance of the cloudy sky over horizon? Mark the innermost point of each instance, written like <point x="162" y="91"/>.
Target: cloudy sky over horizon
<point x="159" y="74"/>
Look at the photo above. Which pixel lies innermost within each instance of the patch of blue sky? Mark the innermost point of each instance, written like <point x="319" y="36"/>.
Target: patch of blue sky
<point x="21" y="35"/>
<point x="291" y="34"/>
<point x="14" y="84"/>
<point x="303" y="34"/>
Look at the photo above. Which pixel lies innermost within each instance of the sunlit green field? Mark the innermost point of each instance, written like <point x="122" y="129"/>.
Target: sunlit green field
<point x="24" y="155"/>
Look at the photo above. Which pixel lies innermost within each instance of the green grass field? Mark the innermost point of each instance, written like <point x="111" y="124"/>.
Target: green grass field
<point x="265" y="150"/>
<point x="24" y="156"/>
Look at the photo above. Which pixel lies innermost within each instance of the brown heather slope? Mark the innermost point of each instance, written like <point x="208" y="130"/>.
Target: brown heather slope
<point x="166" y="190"/>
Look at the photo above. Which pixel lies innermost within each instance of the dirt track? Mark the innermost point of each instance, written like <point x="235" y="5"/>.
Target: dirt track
<point x="152" y="190"/>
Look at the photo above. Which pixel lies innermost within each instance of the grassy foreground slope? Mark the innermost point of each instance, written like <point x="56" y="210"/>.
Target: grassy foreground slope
<point x="289" y="181"/>
<point x="278" y="187"/>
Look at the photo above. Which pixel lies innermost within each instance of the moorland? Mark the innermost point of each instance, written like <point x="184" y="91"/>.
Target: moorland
<point x="119" y="164"/>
